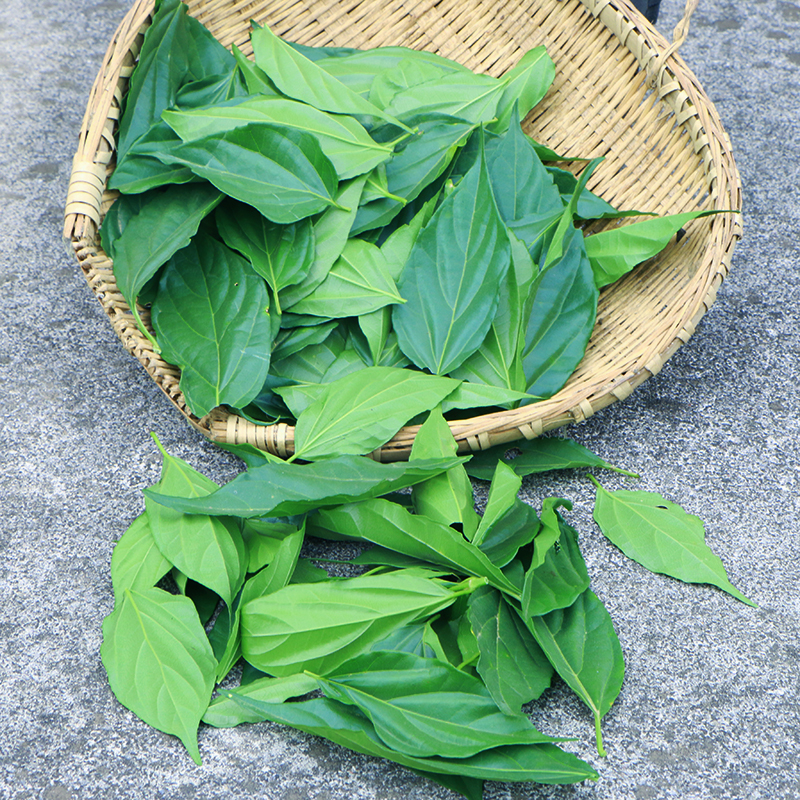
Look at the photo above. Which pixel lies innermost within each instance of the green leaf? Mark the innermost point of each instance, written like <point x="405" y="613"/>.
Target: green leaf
<point x="319" y="626"/>
<point x="263" y="538"/>
<point x="543" y="763"/>
<point x="177" y="49"/>
<point x="207" y="549"/>
<point x="280" y="171"/>
<point x="406" y="73"/>
<point x="537" y="455"/>
<point x="225" y="712"/>
<point x="446" y="498"/>
<point x="162" y="223"/>
<point x="661" y="536"/>
<point x="281" y="254"/>
<point x="589" y="206"/>
<point x="280" y="570"/>
<point x="550" y="531"/>
<point x="136" y="562"/>
<point x="465" y="95"/>
<point x="480" y="395"/>
<point x="159" y="662"/>
<point x="452" y="277"/>
<point x="417" y="163"/>
<point x="364" y="410"/>
<point x="614" y="252"/>
<point x="298" y="77"/>
<point x="525" y="85"/>
<point x="559" y="579"/>
<point x="512" y="665"/>
<point x="580" y="642"/>
<point x="210" y="316"/>
<point x="508" y="523"/>
<point x="563" y="310"/>
<point x="498" y="361"/>
<point x="320" y="363"/>
<point x="342" y="139"/>
<point x="331" y="231"/>
<point x="281" y="489"/>
<point x="390" y="525"/>
<point x="424" y="707"/>
<point x="358" y="283"/>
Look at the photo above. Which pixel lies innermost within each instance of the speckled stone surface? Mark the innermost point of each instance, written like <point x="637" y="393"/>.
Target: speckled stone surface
<point x="710" y="707"/>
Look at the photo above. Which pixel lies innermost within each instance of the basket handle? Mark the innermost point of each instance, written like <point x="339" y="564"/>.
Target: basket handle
<point x="678" y="38"/>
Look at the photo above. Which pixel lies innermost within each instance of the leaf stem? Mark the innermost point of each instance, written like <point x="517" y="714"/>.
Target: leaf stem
<point x="599" y="736"/>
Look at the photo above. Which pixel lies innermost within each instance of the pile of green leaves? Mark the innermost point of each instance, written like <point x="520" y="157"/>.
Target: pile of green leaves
<point x="355" y="240"/>
<point x="293" y="220"/>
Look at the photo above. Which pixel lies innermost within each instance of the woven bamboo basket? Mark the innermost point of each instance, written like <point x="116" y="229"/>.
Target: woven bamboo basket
<point x="620" y="92"/>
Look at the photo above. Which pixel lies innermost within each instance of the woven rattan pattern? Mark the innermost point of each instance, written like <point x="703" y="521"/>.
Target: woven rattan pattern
<point x="618" y="93"/>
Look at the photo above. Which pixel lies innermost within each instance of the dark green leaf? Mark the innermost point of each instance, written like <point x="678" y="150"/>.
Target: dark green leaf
<point x="512" y="665"/>
<point x="543" y="763"/>
<point x="661" y="536"/>
<point x="159" y="662"/>
<point x="152" y="228"/>
<point x="281" y="489"/>
<point x="211" y="320"/>
<point x="560" y="579"/>
<point x="538" y="455"/>
<point x="452" y="277"/>
<point x="281" y="254"/>
<point x="580" y="642"/>
<point x="424" y="707"/>
<point x="563" y="310"/>
<point x="280" y="171"/>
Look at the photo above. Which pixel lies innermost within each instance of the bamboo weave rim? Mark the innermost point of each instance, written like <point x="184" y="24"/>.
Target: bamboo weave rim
<point x="620" y="91"/>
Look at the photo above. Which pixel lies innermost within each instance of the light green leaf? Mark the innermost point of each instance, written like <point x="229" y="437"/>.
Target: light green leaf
<point x="159" y="662"/>
<point x="661" y="536"/>
<point x="136" y="562"/>
<point x="364" y="410"/>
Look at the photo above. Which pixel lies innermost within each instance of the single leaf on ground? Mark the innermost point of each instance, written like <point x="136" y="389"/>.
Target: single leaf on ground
<point x="425" y="707"/>
<point x="280" y="489"/>
<point x="512" y="665"/>
<point x="452" y="278"/>
<point x="136" y="562"/>
<point x="319" y="626"/>
<point x="661" y="536"/>
<point x="280" y="171"/>
<point x="364" y="410"/>
<point x="209" y="550"/>
<point x="537" y="455"/>
<point x="580" y="642"/>
<point x="159" y="662"/>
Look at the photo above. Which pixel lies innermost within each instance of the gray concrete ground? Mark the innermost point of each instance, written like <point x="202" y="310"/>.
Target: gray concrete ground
<point x="711" y="702"/>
